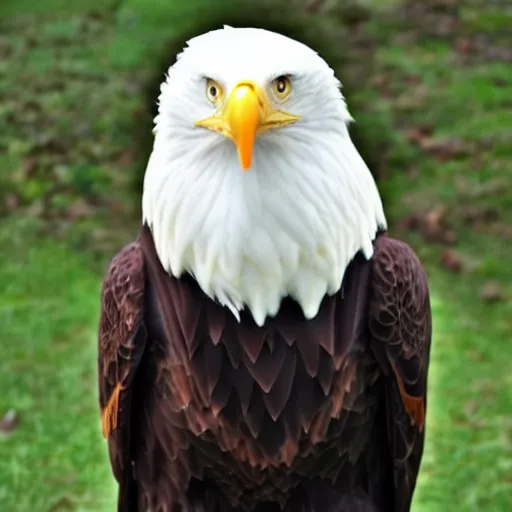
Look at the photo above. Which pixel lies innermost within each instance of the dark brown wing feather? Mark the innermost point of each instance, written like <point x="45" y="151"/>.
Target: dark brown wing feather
<point x="257" y="410"/>
<point x="121" y="344"/>
<point x="401" y="328"/>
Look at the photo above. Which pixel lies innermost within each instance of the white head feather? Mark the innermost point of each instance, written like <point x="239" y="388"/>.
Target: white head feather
<point x="293" y="222"/>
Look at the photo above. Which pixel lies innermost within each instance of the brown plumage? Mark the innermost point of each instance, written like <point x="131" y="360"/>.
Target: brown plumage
<point x="204" y="413"/>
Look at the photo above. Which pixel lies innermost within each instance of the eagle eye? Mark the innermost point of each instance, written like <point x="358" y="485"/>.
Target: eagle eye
<point x="213" y="91"/>
<point x="282" y="87"/>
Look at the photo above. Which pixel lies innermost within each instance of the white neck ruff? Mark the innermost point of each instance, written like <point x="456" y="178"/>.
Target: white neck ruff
<point x="288" y="226"/>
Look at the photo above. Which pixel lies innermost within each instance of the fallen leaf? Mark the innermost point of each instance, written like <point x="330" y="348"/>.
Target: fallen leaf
<point x="445" y="149"/>
<point x="410" y="223"/>
<point x="9" y="422"/>
<point x="491" y="292"/>
<point x="451" y="260"/>
<point x="434" y="224"/>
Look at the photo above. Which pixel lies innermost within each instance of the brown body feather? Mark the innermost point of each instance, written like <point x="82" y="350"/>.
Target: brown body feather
<point x="219" y="415"/>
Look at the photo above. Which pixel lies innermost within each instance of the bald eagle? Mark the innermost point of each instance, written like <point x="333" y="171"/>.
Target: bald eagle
<point x="263" y="343"/>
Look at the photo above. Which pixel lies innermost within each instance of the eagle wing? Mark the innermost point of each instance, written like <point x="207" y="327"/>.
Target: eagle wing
<point x="121" y="344"/>
<point x="401" y="330"/>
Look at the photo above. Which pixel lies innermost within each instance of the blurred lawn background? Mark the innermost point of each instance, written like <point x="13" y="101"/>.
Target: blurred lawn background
<point x="430" y="86"/>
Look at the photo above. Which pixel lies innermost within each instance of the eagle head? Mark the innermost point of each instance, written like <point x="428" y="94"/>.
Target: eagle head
<point x="254" y="186"/>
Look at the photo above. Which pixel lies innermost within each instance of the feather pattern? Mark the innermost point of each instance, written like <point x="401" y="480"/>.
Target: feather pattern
<point x="121" y="345"/>
<point x="400" y="323"/>
<point x="243" y="418"/>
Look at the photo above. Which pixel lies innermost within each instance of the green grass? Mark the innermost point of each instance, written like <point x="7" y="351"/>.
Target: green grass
<point x="74" y="133"/>
<point x="55" y="460"/>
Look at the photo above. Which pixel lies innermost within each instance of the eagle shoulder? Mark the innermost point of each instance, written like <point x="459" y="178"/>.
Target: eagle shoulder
<point x="400" y="319"/>
<point x="400" y="326"/>
<point x="121" y="343"/>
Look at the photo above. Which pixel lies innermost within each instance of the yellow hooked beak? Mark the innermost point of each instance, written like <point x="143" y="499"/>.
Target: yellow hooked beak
<point x="246" y="113"/>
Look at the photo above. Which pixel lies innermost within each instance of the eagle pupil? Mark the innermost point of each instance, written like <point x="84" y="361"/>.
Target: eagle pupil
<point x="213" y="91"/>
<point x="281" y="86"/>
